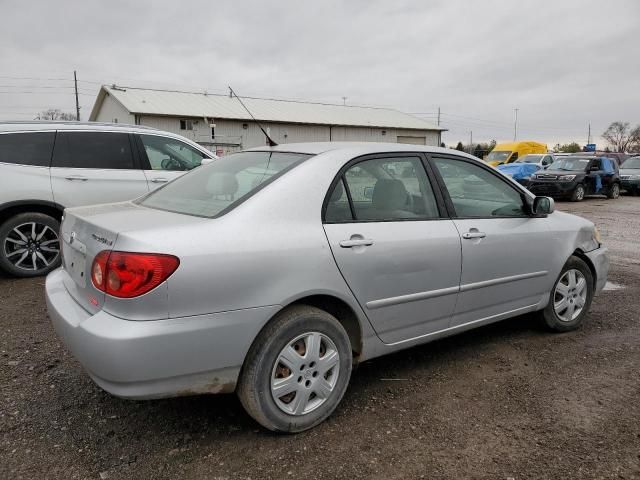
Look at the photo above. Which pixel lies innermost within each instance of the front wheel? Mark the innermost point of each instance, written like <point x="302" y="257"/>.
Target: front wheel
<point x="297" y="370"/>
<point x="29" y="244"/>
<point x="578" y="193"/>
<point x="614" y="191"/>
<point x="570" y="298"/>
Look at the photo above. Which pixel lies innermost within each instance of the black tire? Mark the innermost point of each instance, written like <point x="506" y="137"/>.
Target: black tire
<point x="9" y="250"/>
<point x="254" y="386"/>
<point x="614" y="191"/>
<point x="578" y="193"/>
<point x="551" y="317"/>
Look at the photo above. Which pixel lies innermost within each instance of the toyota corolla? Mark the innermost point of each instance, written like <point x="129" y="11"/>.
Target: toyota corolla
<point x="271" y="272"/>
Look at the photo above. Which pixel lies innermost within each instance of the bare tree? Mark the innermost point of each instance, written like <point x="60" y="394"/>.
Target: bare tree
<point x="55" y="114"/>
<point x="618" y="134"/>
<point x="634" y="142"/>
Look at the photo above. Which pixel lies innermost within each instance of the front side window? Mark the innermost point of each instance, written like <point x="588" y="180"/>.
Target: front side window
<point x="104" y="150"/>
<point x="216" y="188"/>
<point x="383" y="189"/>
<point x="475" y="192"/>
<point x="27" y="148"/>
<point x="499" y="156"/>
<point x="170" y="154"/>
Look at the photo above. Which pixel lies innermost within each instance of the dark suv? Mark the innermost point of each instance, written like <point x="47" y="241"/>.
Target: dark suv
<point x="574" y="177"/>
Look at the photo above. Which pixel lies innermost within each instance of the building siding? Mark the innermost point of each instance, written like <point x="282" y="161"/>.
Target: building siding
<point x="113" y="112"/>
<point x="231" y="135"/>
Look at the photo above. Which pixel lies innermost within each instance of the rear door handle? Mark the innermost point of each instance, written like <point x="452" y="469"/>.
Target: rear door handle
<point x="159" y="180"/>
<point x="473" y="233"/>
<point x="356" y="242"/>
<point x="77" y="177"/>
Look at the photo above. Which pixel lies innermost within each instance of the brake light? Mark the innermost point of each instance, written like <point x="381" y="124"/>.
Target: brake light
<point x="128" y="274"/>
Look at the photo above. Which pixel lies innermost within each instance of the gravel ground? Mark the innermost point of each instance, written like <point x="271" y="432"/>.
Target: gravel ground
<point x="505" y="401"/>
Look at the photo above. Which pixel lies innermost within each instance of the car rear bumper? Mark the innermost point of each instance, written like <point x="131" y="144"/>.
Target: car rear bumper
<point x="552" y="189"/>
<point x="157" y="358"/>
<point x="600" y="260"/>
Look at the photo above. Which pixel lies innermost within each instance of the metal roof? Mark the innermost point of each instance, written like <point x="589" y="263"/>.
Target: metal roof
<point x="201" y="104"/>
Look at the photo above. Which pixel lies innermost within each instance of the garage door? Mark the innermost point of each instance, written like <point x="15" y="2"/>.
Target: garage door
<point x="412" y="140"/>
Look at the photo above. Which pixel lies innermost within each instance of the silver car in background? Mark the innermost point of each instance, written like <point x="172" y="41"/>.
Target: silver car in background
<point x="272" y="271"/>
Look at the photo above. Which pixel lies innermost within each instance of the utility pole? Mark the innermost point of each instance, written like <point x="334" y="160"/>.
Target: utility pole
<point x="344" y="100"/>
<point x="589" y="134"/>
<point x="438" y="116"/>
<point x="471" y="142"/>
<point x="515" y="125"/>
<point x="75" y="82"/>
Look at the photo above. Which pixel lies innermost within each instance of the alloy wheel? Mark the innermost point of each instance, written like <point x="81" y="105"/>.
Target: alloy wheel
<point x="305" y="373"/>
<point x="579" y="193"/>
<point x="32" y="246"/>
<point x="570" y="295"/>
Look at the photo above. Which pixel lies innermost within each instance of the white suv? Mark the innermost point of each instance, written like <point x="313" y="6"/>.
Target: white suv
<point x="48" y="166"/>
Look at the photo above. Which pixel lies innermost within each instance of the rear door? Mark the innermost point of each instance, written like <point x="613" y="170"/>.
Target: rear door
<point x="165" y="158"/>
<point x="398" y="254"/>
<point x="506" y="265"/>
<point x="91" y="167"/>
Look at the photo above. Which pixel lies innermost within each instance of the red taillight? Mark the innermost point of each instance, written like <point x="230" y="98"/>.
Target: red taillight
<point x="127" y="275"/>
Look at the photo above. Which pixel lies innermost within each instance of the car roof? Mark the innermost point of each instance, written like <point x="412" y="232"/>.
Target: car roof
<point x="361" y="148"/>
<point x="71" y="125"/>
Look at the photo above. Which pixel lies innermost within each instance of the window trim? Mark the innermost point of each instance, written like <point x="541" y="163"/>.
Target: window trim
<point x="526" y="199"/>
<point x="340" y="176"/>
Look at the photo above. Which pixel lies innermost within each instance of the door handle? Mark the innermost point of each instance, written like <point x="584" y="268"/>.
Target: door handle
<point x="473" y="233"/>
<point x="356" y="242"/>
<point x="159" y="180"/>
<point x="76" y="177"/>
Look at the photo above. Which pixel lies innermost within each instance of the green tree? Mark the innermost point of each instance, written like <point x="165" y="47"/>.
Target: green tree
<point x="572" y="147"/>
<point x="460" y="147"/>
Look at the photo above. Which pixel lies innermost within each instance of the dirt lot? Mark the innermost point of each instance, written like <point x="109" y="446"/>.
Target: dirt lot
<point x="505" y="401"/>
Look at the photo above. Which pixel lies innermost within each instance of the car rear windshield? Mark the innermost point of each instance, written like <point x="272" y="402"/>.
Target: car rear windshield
<point x="215" y="189"/>
<point x="573" y="164"/>
<point x="529" y="159"/>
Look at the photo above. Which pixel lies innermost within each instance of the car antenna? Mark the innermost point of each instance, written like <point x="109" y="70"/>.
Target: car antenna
<point x="269" y="140"/>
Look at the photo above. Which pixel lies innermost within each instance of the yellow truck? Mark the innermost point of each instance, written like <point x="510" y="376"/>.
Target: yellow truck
<point x="511" y="151"/>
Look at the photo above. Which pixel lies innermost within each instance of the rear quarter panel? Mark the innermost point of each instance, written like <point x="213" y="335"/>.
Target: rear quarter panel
<point x="24" y="182"/>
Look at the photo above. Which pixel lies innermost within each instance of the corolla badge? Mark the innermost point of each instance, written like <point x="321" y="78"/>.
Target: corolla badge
<point x="102" y="239"/>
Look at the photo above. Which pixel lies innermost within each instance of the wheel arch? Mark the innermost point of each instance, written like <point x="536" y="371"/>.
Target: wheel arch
<point x="578" y="252"/>
<point x="11" y="209"/>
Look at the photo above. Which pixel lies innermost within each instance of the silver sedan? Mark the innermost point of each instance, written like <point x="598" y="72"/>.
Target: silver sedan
<point x="271" y="272"/>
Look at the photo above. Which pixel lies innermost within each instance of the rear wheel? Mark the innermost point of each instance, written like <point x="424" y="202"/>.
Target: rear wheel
<point x="614" y="191"/>
<point x="578" y="193"/>
<point x="297" y="370"/>
<point x="29" y="244"/>
<point x="570" y="298"/>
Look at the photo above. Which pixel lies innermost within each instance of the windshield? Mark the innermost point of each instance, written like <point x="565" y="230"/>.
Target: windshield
<point x="530" y="159"/>
<point x="218" y="187"/>
<point x="498" y="156"/>
<point x="568" y="163"/>
<point x="633" y="162"/>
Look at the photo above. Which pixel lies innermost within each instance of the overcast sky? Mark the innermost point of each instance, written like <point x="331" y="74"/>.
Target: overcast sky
<point x="563" y="63"/>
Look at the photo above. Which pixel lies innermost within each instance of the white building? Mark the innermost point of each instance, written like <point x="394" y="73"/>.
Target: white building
<point x="220" y="123"/>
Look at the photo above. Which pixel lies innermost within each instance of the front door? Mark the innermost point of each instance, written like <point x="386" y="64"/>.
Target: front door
<point x="507" y="262"/>
<point x="398" y="255"/>
<point x="94" y="167"/>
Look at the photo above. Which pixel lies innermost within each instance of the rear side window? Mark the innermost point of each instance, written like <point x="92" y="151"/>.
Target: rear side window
<point x="27" y="148"/>
<point x="170" y="154"/>
<point x="216" y="188"/>
<point x="105" y="150"/>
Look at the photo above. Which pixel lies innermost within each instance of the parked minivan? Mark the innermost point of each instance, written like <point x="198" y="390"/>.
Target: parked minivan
<point x="46" y="167"/>
<point x="510" y="152"/>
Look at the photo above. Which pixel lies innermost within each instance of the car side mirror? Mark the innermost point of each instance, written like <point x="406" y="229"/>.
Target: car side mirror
<point x="543" y="206"/>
